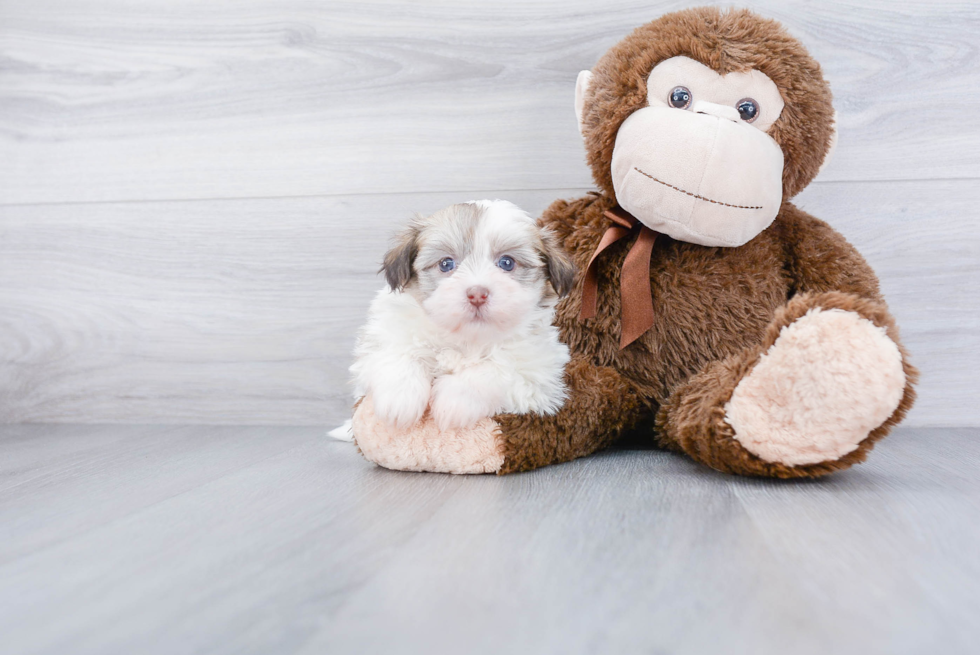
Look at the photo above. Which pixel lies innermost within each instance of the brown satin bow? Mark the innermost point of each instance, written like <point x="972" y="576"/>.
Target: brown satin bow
<point x="636" y="297"/>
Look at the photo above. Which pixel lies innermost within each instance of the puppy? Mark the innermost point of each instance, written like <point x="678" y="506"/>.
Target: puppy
<point x="464" y="327"/>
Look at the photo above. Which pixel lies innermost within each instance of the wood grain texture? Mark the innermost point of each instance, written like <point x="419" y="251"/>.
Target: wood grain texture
<point x="245" y="311"/>
<point x="107" y="100"/>
<point x="194" y="196"/>
<point x="274" y="540"/>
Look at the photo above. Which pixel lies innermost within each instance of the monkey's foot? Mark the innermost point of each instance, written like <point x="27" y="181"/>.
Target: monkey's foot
<point x="828" y="380"/>
<point x="424" y="447"/>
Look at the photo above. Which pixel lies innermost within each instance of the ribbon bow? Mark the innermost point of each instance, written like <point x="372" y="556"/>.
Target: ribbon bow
<point x="636" y="297"/>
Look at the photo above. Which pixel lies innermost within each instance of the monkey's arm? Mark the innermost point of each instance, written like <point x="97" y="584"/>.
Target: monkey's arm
<point x="600" y="405"/>
<point x="820" y="259"/>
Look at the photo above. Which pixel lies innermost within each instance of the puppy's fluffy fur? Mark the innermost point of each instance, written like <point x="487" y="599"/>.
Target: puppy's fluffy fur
<point x="430" y="343"/>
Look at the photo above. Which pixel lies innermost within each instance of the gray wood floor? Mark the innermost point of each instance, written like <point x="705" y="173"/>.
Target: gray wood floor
<point x="228" y="539"/>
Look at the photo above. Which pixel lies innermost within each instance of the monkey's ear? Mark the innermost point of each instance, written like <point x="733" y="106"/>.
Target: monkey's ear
<point x="397" y="265"/>
<point x="561" y="270"/>
<point x="581" y="88"/>
<point x="830" y="147"/>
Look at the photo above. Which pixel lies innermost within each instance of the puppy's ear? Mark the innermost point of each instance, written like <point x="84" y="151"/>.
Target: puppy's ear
<point x="397" y="265"/>
<point x="561" y="270"/>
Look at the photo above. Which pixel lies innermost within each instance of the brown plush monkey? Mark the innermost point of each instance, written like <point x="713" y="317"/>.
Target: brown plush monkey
<point x="709" y="312"/>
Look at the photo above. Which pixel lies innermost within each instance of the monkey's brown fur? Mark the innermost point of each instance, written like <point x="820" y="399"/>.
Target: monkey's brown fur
<point x="716" y="309"/>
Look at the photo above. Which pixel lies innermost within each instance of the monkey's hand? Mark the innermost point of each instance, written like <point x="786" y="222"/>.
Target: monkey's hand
<point x="425" y="447"/>
<point x="600" y="404"/>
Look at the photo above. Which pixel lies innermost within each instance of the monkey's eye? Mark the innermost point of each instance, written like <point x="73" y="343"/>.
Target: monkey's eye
<point x="506" y="263"/>
<point x="447" y="264"/>
<point x="680" y="97"/>
<point x="748" y="109"/>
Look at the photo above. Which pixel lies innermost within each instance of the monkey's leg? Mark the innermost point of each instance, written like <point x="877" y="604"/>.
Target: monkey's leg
<point x="600" y="405"/>
<point x="829" y="380"/>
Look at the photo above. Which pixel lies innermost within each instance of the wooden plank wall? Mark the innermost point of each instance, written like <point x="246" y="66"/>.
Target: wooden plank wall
<point x="194" y="196"/>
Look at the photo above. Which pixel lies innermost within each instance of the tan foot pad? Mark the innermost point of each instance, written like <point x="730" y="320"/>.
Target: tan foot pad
<point x="424" y="447"/>
<point x="830" y="378"/>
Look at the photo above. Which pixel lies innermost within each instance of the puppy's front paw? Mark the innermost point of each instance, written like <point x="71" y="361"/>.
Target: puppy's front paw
<point x="402" y="404"/>
<point x="456" y="405"/>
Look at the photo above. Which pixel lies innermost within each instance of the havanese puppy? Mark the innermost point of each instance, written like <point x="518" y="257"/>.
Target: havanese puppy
<point x="464" y="329"/>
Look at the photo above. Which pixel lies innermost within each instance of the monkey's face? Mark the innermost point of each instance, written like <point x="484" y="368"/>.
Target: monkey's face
<point x="696" y="163"/>
<point x="701" y="122"/>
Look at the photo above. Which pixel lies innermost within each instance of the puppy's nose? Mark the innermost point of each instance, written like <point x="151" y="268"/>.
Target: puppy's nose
<point x="477" y="295"/>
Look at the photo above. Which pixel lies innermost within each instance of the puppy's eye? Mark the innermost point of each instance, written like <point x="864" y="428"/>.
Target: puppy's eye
<point x="447" y="264"/>
<point x="506" y="263"/>
<point x="680" y="97"/>
<point x="748" y="109"/>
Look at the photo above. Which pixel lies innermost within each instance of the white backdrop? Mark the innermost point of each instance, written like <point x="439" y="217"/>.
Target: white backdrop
<point x="195" y="195"/>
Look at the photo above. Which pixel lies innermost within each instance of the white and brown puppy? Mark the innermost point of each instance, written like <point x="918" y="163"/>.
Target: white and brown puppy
<point x="464" y="327"/>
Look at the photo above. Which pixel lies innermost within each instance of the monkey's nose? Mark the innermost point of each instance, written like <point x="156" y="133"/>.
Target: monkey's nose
<point x="718" y="111"/>
<point x="477" y="295"/>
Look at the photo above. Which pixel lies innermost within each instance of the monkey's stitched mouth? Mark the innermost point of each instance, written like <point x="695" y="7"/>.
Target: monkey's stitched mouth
<point x="693" y="195"/>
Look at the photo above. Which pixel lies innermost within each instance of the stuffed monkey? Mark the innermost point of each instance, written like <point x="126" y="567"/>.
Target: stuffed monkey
<point x="709" y="313"/>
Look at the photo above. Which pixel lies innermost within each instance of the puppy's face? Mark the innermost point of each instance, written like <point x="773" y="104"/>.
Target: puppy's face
<point x="478" y="269"/>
